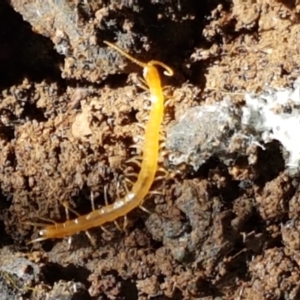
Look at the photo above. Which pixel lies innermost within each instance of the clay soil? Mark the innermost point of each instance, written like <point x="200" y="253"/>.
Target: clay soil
<point x="71" y="108"/>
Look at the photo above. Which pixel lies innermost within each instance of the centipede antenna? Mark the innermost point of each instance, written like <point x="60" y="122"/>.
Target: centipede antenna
<point x="136" y="61"/>
<point x="168" y="71"/>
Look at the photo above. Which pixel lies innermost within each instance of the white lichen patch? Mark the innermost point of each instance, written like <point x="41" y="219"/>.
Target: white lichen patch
<point x="227" y="131"/>
<point x="275" y="115"/>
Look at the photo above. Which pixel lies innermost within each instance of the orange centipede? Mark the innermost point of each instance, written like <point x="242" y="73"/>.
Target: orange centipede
<point x="149" y="164"/>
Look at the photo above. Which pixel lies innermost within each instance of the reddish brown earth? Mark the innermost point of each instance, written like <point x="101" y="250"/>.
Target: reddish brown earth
<point x="69" y="110"/>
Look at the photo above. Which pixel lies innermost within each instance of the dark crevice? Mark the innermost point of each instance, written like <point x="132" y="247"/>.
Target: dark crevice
<point x="53" y="272"/>
<point x="23" y="52"/>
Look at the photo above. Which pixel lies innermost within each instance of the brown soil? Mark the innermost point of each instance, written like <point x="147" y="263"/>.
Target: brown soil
<point x="70" y="110"/>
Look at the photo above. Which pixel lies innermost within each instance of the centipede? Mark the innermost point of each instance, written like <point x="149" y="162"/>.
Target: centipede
<point x="135" y="196"/>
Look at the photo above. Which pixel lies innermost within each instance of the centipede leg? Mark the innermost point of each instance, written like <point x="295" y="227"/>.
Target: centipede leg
<point x="136" y="160"/>
<point x="151" y="193"/>
<point x="126" y="187"/>
<point x="130" y="174"/>
<point x="46" y="220"/>
<point x="162" y="145"/>
<point x="68" y="218"/>
<point x="143" y="118"/>
<point x="105" y="230"/>
<point x="67" y="208"/>
<point x="163" y="170"/>
<point x="168" y="102"/>
<point x="125" y="223"/>
<point x="144" y="209"/>
<point x="69" y="242"/>
<point x="163" y="155"/>
<point x="92" y="201"/>
<point x="160" y="178"/>
<point x="136" y="147"/>
<point x="161" y="159"/>
<point x="164" y="152"/>
<point x="164" y="176"/>
<point x="106" y="203"/>
<point x="117" y="225"/>
<point x="162" y="136"/>
<point x="129" y="180"/>
<point x="118" y="191"/>
<point x="142" y="125"/>
<point x="156" y="193"/>
<point x="91" y="239"/>
<point x="142" y="83"/>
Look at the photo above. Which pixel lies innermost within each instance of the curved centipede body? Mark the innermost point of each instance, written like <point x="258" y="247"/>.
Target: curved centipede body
<point x="149" y="164"/>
